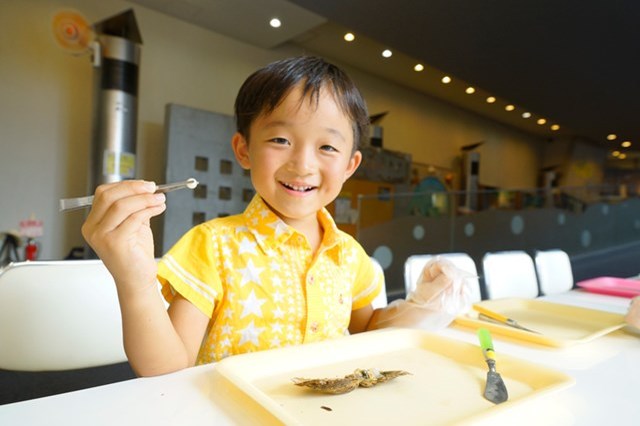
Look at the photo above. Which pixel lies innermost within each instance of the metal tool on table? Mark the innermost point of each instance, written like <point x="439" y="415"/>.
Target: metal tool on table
<point x="67" y="204"/>
<point x="495" y="389"/>
<point x="489" y="315"/>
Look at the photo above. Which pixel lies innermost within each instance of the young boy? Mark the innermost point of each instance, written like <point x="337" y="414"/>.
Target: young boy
<point x="280" y="273"/>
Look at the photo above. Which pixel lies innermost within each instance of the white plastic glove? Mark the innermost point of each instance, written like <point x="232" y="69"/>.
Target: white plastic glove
<point x="442" y="292"/>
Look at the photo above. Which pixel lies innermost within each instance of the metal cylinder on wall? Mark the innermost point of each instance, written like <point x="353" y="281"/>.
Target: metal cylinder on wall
<point x="116" y="64"/>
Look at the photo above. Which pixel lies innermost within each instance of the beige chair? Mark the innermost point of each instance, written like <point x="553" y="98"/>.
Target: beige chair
<point x="509" y="274"/>
<point x="415" y="263"/>
<point x="59" y="315"/>
<point x="381" y="299"/>
<point x="554" y="271"/>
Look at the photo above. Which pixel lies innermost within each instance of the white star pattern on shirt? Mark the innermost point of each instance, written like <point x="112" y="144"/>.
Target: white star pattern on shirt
<point x="277" y="313"/>
<point x="250" y="274"/>
<point x="275" y="342"/>
<point x="275" y="266"/>
<point x="279" y="227"/>
<point x="252" y="305"/>
<point x="226" y="329"/>
<point x="277" y="282"/>
<point x="247" y="246"/>
<point x="225" y="342"/>
<point x="276" y="327"/>
<point x="278" y="297"/>
<point x="250" y="334"/>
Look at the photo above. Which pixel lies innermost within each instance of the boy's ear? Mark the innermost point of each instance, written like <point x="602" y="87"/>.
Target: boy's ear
<point x="354" y="162"/>
<point x="241" y="150"/>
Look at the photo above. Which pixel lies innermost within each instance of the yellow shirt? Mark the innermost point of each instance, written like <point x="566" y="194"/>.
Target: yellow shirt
<point x="261" y="285"/>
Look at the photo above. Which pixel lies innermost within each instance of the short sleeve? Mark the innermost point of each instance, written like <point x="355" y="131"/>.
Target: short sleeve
<point x="369" y="280"/>
<point x="190" y="268"/>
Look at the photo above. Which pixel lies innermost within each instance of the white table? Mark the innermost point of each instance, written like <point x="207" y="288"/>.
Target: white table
<point x="606" y="371"/>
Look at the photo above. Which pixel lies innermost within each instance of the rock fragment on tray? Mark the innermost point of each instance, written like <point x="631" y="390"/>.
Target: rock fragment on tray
<point x="365" y="378"/>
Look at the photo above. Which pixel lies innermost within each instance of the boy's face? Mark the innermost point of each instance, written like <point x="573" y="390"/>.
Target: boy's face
<point x="299" y="156"/>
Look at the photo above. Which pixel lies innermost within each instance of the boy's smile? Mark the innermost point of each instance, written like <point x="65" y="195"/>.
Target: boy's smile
<point x="299" y="156"/>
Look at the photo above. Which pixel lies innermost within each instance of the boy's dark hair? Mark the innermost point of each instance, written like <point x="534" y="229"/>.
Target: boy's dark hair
<point x="266" y="88"/>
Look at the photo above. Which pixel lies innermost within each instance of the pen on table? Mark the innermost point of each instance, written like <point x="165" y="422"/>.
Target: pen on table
<point x="68" y="204"/>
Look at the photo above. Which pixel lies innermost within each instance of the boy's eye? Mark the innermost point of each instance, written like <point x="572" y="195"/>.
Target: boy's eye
<point x="328" y="148"/>
<point x="279" y="140"/>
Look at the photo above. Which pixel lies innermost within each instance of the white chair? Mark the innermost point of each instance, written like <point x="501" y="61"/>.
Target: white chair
<point x="381" y="299"/>
<point x="554" y="271"/>
<point x="59" y="315"/>
<point x="415" y="263"/>
<point x="509" y="274"/>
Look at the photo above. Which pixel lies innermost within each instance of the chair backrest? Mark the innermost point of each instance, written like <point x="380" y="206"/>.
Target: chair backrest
<point x="415" y="263"/>
<point x="59" y="315"/>
<point x="554" y="271"/>
<point x="509" y="274"/>
<point x="381" y="299"/>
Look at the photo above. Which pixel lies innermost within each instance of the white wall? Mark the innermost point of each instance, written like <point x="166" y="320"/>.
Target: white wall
<point x="46" y="101"/>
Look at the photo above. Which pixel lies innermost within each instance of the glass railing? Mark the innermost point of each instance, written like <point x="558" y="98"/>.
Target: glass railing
<point x="392" y="226"/>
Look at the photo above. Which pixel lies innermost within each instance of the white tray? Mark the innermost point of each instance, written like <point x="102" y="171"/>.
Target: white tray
<point x="445" y="386"/>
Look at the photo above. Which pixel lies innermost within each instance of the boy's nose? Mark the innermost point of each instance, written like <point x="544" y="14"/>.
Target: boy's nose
<point x="303" y="161"/>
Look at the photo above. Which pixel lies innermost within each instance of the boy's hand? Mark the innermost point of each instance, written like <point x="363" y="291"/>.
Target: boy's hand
<point x="117" y="228"/>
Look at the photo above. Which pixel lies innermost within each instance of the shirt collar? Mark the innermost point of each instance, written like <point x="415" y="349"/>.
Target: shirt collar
<point x="271" y="231"/>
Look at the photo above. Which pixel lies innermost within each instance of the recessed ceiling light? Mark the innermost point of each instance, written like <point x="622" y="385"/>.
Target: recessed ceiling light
<point x="615" y="153"/>
<point x="491" y="100"/>
<point x="622" y="156"/>
<point x="509" y="107"/>
<point x="418" y="67"/>
<point x="541" y="121"/>
<point x="555" y="127"/>
<point x="625" y="144"/>
<point x="349" y="37"/>
<point x="387" y="53"/>
<point x="470" y="90"/>
<point x="526" y="115"/>
<point x="275" y="23"/>
<point x="446" y="79"/>
<point x="611" y="137"/>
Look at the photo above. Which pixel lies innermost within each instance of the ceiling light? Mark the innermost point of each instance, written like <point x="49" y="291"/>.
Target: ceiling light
<point x="622" y="156"/>
<point x="275" y="23"/>
<point x="526" y="115"/>
<point x="349" y="37"/>
<point x="541" y="121"/>
<point x="470" y="90"/>
<point x="387" y="53"/>
<point x="555" y="127"/>
<point x="611" y="137"/>
<point x="626" y="144"/>
<point x="418" y="67"/>
<point x="446" y="79"/>
<point x="491" y="100"/>
<point x="509" y="107"/>
<point x="615" y="153"/>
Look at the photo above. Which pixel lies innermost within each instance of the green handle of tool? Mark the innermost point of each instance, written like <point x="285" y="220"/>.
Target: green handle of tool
<point x="486" y="343"/>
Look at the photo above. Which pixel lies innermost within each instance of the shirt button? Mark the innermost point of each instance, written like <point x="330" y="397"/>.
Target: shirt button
<point x="311" y="279"/>
<point x="314" y="327"/>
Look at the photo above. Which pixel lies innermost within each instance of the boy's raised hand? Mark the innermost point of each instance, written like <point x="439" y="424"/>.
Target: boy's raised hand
<point x="118" y="229"/>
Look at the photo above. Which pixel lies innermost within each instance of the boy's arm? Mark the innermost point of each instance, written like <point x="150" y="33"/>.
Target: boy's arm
<point x="118" y="229"/>
<point x="157" y="343"/>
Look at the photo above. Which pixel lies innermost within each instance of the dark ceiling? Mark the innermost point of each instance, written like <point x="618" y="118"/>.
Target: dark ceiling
<point x="577" y="61"/>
